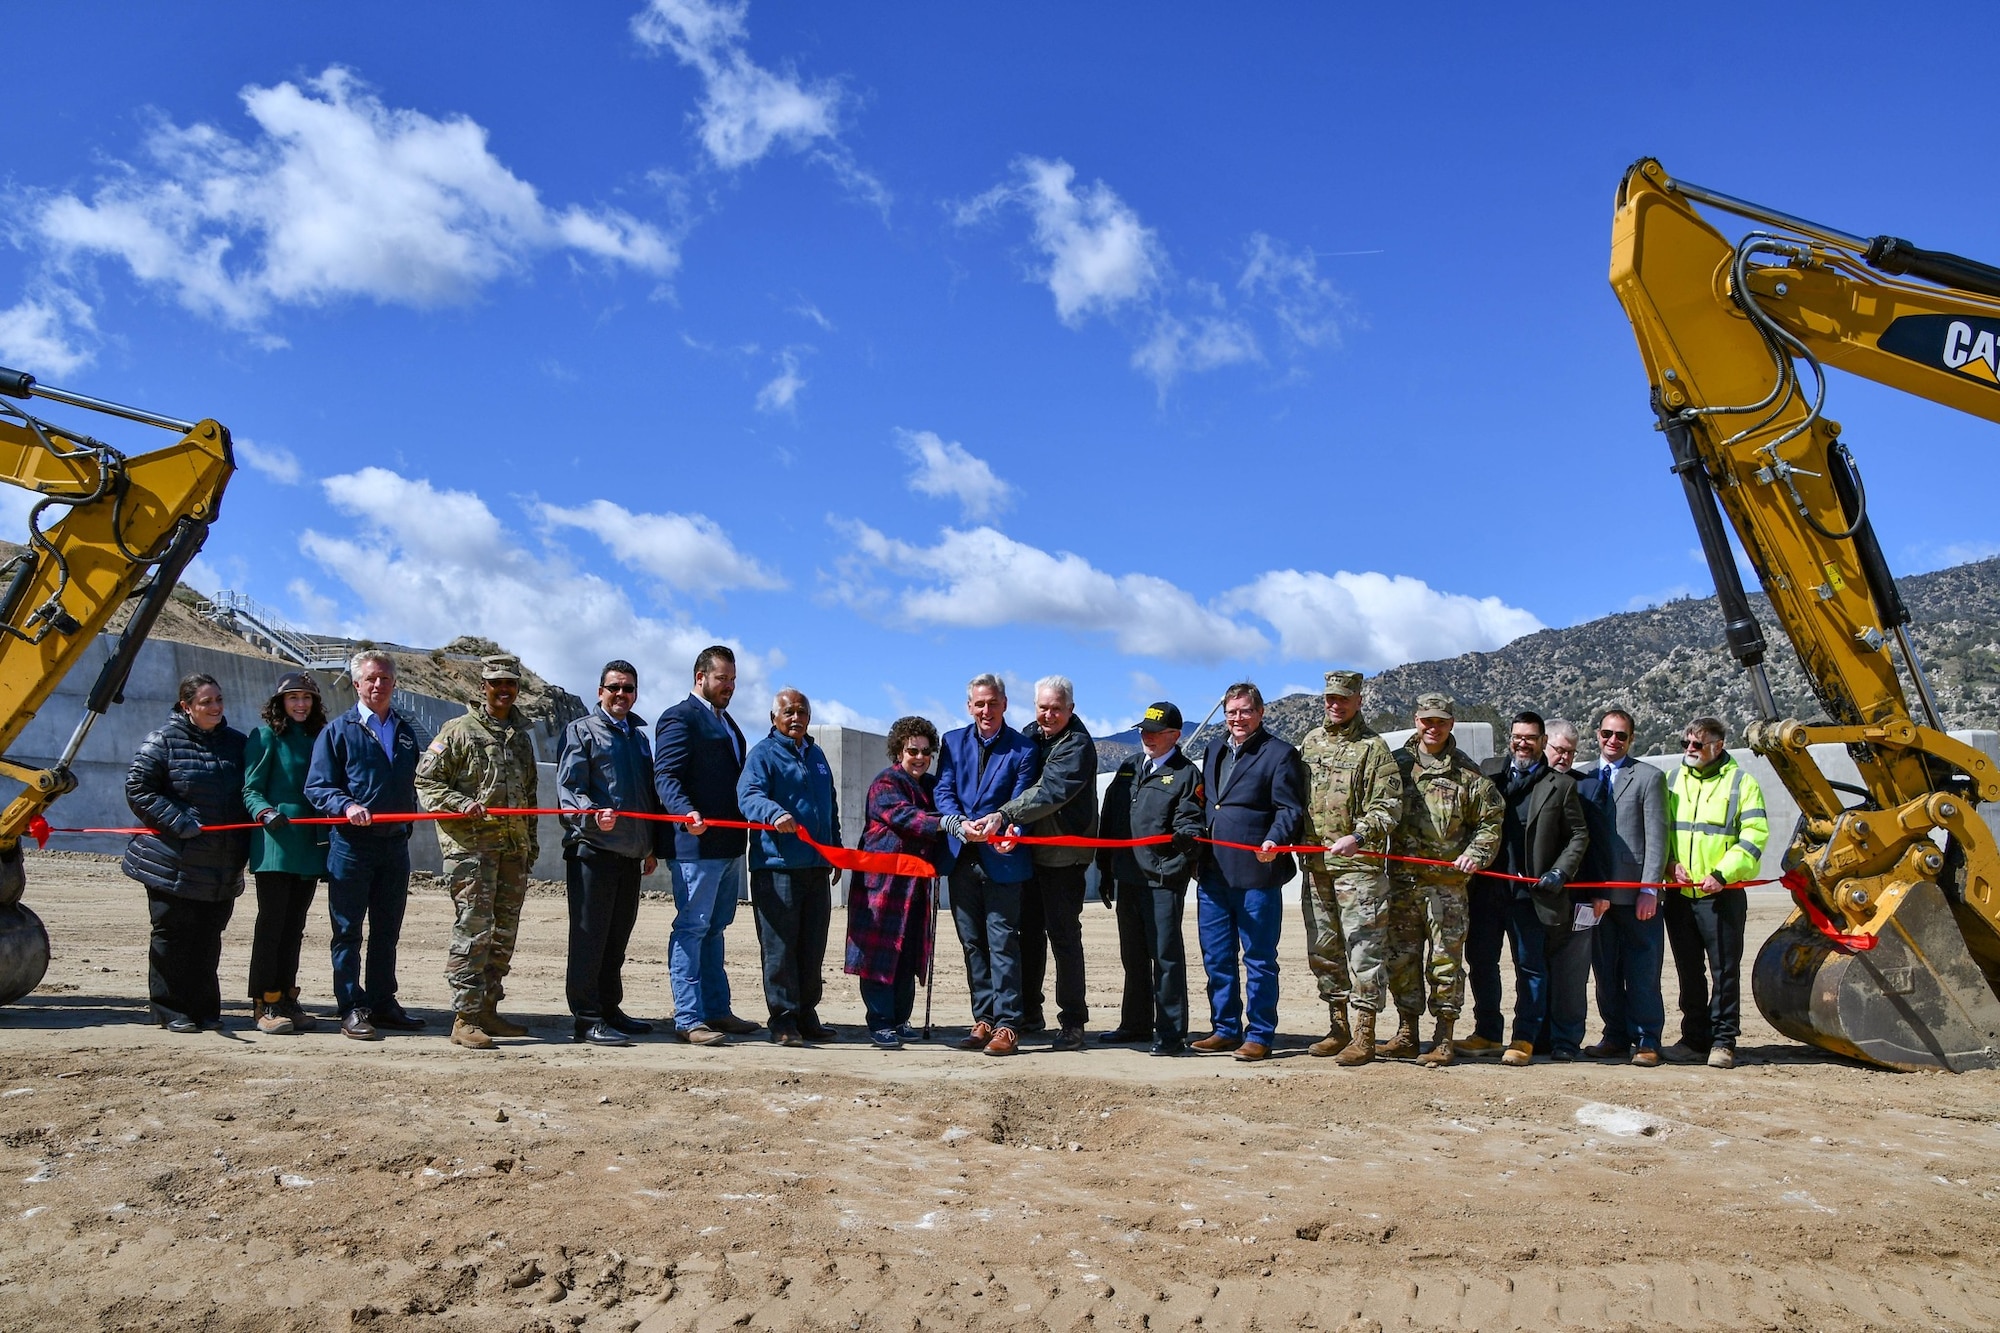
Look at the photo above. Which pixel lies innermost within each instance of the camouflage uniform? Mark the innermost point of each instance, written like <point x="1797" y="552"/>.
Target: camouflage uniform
<point x="1350" y="909"/>
<point x="1449" y="810"/>
<point x="479" y="760"/>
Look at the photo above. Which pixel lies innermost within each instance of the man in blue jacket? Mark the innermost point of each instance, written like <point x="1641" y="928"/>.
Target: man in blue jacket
<point x="983" y="767"/>
<point x="788" y="784"/>
<point x="698" y="755"/>
<point x="364" y="764"/>
<point x="1256" y="789"/>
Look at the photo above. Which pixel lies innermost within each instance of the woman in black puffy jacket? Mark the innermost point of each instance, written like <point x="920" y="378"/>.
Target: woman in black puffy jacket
<point x="187" y="774"/>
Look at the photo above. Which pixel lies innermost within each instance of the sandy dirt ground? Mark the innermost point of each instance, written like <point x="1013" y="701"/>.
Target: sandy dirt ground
<point x="231" y="1181"/>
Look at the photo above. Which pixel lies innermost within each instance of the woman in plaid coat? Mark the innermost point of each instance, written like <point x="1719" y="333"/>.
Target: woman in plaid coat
<point x="888" y="916"/>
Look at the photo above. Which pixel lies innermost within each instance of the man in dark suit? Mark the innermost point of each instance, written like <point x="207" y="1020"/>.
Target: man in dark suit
<point x="697" y="757"/>
<point x="1256" y="790"/>
<point x="1157" y="791"/>
<point x="1542" y="835"/>
<point x="983" y="767"/>
<point x="1625" y="803"/>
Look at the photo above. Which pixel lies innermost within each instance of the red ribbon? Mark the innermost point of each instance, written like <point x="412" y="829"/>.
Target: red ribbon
<point x="1797" y="881"/>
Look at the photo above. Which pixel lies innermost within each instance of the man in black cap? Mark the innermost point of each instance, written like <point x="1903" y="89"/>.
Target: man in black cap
<point x="1157" y="791"/>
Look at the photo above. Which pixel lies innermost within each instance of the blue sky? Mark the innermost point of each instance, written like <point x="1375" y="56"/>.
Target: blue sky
<point x="1155" y="346"/>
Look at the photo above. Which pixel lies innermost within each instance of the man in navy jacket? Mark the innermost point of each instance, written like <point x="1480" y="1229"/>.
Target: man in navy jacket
<point x="982" y="767"/>
<point x="698" y="755"/>
<point x="1257" y="797"/>
<point x="364" y="764"/>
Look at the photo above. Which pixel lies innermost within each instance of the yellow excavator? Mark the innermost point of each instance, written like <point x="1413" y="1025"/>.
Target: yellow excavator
<point x="106" y="529"/>
<point x="1893" y="955"/>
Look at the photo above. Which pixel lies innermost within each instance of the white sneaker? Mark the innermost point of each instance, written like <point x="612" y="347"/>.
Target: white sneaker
<point x="1722" y="1058"/>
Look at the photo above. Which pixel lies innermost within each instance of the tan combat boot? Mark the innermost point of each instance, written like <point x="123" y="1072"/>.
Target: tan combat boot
<point x="1440" y="1053"/>
<point x="1402" y="1046"/>
<point x="496" y="1026"/>
<point x="1337" y="1036"/>
<point x="467" y="1032"/>
<point x="1362" y="1049"/>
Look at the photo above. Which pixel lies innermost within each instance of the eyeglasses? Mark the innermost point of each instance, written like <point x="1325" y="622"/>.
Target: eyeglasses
<point x="917" y="749"/>
<point x="619" y="689"/>
<point x="1696" y="744"/>
<point x="1607" y="734"/>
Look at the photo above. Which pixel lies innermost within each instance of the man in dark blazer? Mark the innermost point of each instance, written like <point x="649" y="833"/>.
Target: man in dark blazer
<point x="1542" y="835"/>
<point x="980" y="769"/>
<point x="1157" y="791"/>
<point x="364" y="763"/>
<point x="1625" y="803"/>
<point x="1256" y="789"/>
<point x="697" y="757"/>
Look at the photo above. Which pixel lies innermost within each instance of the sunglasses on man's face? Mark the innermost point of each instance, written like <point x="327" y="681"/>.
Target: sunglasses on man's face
<point x="1607" y="734"/>
<point x="1696" y="745"/>
<point x="619" y="689"/>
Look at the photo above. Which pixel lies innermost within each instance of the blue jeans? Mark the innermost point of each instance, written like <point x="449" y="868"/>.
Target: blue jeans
<point x="988" y="916"/>
<point x="367" y="878"/>
<point x="1628" y="956"/>
<point x="1497" y="914"/>
<point x="705" y="894"/>
<point x="1228" y="920"/>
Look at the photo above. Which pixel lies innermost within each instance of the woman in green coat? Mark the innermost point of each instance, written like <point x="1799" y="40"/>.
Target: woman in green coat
<point x="288" y="861"/>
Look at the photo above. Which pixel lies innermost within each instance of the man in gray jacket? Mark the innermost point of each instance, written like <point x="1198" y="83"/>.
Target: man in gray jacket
<point x="1061" y="800"/>
<point x="1625" y="805"/>
<point x="605" y="767"/>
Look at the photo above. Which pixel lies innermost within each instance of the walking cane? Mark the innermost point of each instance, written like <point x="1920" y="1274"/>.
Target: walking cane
<point x="930" y="959"/>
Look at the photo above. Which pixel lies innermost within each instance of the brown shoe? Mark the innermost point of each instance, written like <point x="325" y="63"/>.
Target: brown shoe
<point x="701" y="1034"/>
<point x="1440" y="1053"/>
<point x="1608" y="1050"/>
<point x="493" y="1025"/>
<point x="354" y="1023"/>
<point x="1402" y="1046"/>
<point x="1338" y="1034"/>
<point x="734" y="1026"/>
<point x="1362" y="1049"/>
<point x="1253" y="1050"/>
<point x="975" y="1040"/>
<point x="465" y="1032"/>
<point x="1215" y="1042"/>
<point x="1004" y="1042"/>
<point x="1478" y="1045"/>
<point x="272" y="1021"/>
<point x="1646" y="1058"/>
<point x="1518" y="1053"/>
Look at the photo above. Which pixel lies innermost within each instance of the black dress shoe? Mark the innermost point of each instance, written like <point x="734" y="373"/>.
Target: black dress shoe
<point x="1068" y="1039"/>
<point x="734" y="1026"/>
<point x="620" y="1021"/>
<point x="599" y="1032"/>
<point x="787" y="1037"/>
<point x="1168" y="1048"/>
<point x="1122" y="1037"/>
<point x="395" y="1020"/>
<point x="183" y="1025"/>
<point x="817" y="1031"/>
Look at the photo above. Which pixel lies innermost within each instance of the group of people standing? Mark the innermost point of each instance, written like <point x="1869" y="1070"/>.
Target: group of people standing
<point x="1396" y="908"/>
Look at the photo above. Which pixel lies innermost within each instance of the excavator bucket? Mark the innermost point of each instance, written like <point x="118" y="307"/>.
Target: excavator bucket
<point x="1917" y="1000"/>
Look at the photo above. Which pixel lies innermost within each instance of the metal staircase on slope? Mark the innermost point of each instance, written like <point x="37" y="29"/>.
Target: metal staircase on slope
<point x="259" y="625"/>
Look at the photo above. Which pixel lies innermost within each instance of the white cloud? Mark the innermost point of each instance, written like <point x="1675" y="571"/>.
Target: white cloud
<point x="747" y="110"/>
<point x="834" y="713"/>
<point x="273" y="460"/>
<point x="947" y="470"/>
<point x="808" y="311"/>
<point x="685" y="551"/>
<point x="1209" y="342"/>
<point x="1098" y="255"/>
<point x="1288" y="281"/>
<point x="41" y="333"/>
<point x="426" y="565"/>
<point x="782" y="390"/>
<point x="1375" y="620"/>
<point x="982" y="578"/>
<point x="336" y="196"/>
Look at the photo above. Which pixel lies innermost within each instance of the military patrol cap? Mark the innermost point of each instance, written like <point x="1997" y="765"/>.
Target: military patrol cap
<point x="505" y="666"/>
<point x="1435" y="705"/>
<point x="1161" y="716"/>
<point x="1343" y="682"/>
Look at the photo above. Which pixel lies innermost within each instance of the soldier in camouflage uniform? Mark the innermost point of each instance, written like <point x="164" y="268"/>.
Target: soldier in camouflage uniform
<point x="482" y="760"/>
<point x="1357" y="797"/>
<point x="1450" y="813"/>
